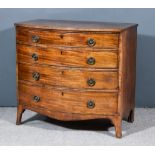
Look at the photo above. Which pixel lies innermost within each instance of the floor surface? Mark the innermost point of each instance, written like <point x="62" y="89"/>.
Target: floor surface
<point x="40" y="130"/>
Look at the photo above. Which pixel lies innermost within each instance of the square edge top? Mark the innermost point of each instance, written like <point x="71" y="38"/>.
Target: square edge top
<point x="76" y="25"/>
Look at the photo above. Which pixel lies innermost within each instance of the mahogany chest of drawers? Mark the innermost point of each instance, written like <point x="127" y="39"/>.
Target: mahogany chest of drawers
<point x="72" y="70"/>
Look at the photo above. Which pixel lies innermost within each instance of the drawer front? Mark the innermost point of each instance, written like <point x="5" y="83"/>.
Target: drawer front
<point x="65" y="38"/>
<point x="68" y="101"/>
<point x="67" y="77"/>
<point x="64" y="57"/>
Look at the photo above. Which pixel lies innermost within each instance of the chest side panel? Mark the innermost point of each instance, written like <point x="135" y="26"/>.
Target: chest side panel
<point x="127" y="72"/>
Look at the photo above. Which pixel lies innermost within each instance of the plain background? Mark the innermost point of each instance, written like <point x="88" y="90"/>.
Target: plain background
<point x="145" y="81"/>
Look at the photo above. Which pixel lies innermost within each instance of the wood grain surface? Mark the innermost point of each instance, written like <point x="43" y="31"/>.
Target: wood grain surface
<point x="89" y="26"/>
<point x="127" y="73"/>
<point x="63" y="38"/>
<point x="68" y="101"/>
<point x="68" y="57"/>
<point x="68" y="77"/>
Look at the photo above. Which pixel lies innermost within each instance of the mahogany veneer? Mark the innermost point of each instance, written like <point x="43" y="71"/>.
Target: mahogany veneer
<point x="72" y="70"/>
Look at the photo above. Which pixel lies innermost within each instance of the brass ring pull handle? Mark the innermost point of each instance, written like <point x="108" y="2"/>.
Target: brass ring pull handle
<point x="91" y="82"/>
<point x="91" y="42"/>
<point x="34" y="57"/>
<point x="90" y="104"/>
<point x="35" y="39"/>
<point x="91" y="61"/>
<point x="36" y="76"/>
<point x="36" y="98"/>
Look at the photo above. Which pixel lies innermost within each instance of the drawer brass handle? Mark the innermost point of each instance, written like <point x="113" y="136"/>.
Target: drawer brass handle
<point x="91" y="42"/>
<point x="36" y="98"/>
<point x="91" y="82"/>
<point x="91" y="61"/>
<point x="35" y="38"/>
<point x="90" y="104"/>
<point x="34" y="57"/>
<point x="36" y="76"/>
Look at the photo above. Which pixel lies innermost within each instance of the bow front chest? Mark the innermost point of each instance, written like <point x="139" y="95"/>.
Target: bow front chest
<point x="72" y="70"/>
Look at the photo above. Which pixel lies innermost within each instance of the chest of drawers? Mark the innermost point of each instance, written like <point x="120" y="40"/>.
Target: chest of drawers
<point x="72" y="70"/>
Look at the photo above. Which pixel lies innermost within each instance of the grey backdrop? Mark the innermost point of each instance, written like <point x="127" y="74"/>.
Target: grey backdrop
<point x="145" y="82"/>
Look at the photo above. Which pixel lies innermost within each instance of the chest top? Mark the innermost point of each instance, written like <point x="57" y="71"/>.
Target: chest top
<point x="76" y="25"/>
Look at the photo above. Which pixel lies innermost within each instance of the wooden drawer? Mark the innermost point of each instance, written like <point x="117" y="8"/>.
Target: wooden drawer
<point x="85" y="102"/>
<point x="68" y="77"/>
<point x="66" y="38"/>
<point x="68" y="57"/>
